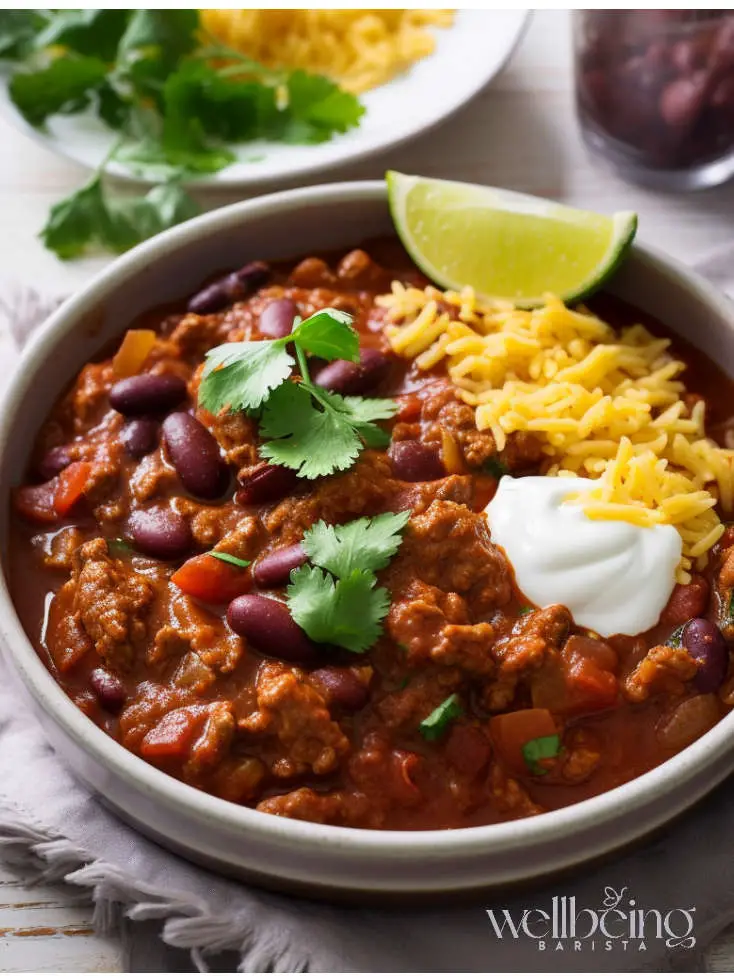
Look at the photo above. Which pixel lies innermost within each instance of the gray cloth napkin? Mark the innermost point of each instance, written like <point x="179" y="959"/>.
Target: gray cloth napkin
<point x="54" y="827"/>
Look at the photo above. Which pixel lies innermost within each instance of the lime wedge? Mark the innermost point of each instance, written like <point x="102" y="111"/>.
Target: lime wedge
<point x="503" y="244"/>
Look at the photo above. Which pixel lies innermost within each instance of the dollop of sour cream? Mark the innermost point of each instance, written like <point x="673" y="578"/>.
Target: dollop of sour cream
<point x="613" y="576"/>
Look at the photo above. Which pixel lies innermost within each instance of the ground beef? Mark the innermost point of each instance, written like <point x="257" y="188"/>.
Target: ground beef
<point x="448" y="546"/>
<point x="292" y="712"/>
<point x="663" y="670"/>
<point x="111" y="601"/>
<point x="434" y="626"/>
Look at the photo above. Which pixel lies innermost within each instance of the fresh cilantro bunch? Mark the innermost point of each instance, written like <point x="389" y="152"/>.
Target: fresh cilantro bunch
<point x="335" y="598"/>
<point x="306" y="428"/>
<point x="177" y="103"/>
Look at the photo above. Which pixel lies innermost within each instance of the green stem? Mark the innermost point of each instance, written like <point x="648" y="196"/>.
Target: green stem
<point x="302" y="363"/>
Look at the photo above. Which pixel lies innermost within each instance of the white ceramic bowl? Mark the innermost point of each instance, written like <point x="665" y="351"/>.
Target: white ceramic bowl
<point x="285" y="853"/>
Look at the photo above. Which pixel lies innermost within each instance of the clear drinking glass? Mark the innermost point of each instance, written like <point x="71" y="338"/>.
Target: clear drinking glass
<point x="655" y="93"/>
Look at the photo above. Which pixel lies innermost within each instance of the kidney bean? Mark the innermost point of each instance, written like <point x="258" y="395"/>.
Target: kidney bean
<point x="274" y="569"/>
<point x="682" y="100"/>
<point x="229" y="289"/>
<point x="139" y="436"/>
<point x="707" y="646"/>
<point x="160" y="532"/>
<point x="109" y="689"/>
<point x="53" y="461"/>
<point x="268" y="625"/>
<point x="276" y="320"/>
<point x="345" y="377"/>
<point x="341" y="687"/>
<point x="414" y="462"/>
<point x="195" y="455"/>
<point x="147" y="394"/>
<point x="267" y="484"/>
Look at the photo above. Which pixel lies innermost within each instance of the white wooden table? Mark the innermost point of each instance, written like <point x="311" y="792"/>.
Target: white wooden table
<point x="520" y="133"/>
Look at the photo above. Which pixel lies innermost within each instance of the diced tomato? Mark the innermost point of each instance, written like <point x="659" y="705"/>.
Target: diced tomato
<point x="581" y="681"/>
<point x="172" y="736"/>
<point x="36" y="503"/>
<point x="211" y="580"/>
<point x="511" y="732"/>
<point x="133" y="352"/>
<point x="72" y="482"/>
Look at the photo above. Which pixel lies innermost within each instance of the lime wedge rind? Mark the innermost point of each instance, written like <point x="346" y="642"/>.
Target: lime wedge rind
<point x="505" y="244"/>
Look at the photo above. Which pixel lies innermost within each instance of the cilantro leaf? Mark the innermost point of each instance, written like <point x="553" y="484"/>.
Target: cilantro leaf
<point x="315" y="441"/>
<point x="238" y="562"/>
<point x="345" y="613"/>
<point x="18" y="29"/>
<point x="540" y="749"/>
<point x="241" y="376"/>
<point x="316" y="109"/>
<point x="366" y="544"/>
<point x="66" y="85"/>
<point x="172" y="32"/>
<point x="434" y="726"/>
<point x="77" y="222"/>
<point x="87" y="218"/>
<point x="495" y="467"/>
<point x="91" y="32"/>
<point x="358" y="413"/>
<point x="329" y="334"/>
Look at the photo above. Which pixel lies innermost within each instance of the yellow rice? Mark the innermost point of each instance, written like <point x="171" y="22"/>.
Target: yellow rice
<point x="605" y="405"/>
<point x="359" y="49"/>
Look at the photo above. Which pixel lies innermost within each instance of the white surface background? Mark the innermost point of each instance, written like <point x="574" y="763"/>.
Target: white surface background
<point x="519" y="133"/>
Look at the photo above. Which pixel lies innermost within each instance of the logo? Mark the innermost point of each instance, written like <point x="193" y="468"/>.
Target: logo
<point x="617" y="923"/>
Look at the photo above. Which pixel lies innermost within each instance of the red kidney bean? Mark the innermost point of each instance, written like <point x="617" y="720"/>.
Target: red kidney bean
<point x="268" y="625"/>
<point x="707" y="646"/>
<point x="414" y="462"/>
<point x="682" y="100"/>
<point x="53" y="461"/>
<point x="345" y="377"/>
<point x="139" y="436"/>
<point x="147" y="394"/>
<point x="229" y="289"/>
<point x="109" y="690"/>
<point x="267" y="484"/>
<point x="341" y="687"/>
<point x="274" y="569"/>
<point x="195" y="455"/>
<point x="276" y="320"/>
<point x="161" y="533"/>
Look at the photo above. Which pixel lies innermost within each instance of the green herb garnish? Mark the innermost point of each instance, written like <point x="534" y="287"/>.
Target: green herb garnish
<point x="540" y="749"/>
<point x="525" y="609"/>
<point x="435" y="725"/>
<point x="675" y="640"/>
<point x="180" y="102"/>
<point x="230" y="559"/>
<point x="495" y="467"/>
<point x="305" y="427"/>
<point x="119" y="547"/>
<point x="335" y="598"/>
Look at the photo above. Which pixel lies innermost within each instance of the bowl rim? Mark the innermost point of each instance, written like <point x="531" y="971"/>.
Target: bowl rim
<point x="401" y="845"/>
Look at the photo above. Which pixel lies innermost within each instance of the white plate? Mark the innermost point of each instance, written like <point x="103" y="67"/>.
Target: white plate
<point x="467" y="57"/>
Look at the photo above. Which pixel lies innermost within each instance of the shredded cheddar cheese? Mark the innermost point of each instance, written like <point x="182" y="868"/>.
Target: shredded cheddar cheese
<point x="606" y="405"/>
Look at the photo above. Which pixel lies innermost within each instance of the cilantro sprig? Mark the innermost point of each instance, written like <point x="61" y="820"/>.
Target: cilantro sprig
<point x="435" y="725"/>
<point x="539" y="750"/>
<point x="179" y="101"/>
<point x="306" y="428"/>
<point x="335" y="598"/>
